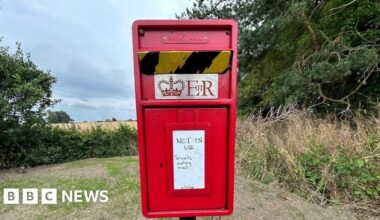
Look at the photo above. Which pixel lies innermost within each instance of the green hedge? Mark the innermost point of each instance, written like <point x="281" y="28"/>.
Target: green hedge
<point x="39" y="145"/>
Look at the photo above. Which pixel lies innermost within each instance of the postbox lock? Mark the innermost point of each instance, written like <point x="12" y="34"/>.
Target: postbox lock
<point x="141" y="32"/>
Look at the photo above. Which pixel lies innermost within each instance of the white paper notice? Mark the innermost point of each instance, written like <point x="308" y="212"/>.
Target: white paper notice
<point x="189" y="159"/>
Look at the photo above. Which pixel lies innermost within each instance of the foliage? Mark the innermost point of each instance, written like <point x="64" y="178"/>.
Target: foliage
<point x="296" y="51"/>
<point x="354" y="173"/>
<point x="25" y="92"/>
<point x="47" y="145"/>
<point x="324" y="160"/>
<point x="58" y="117"/>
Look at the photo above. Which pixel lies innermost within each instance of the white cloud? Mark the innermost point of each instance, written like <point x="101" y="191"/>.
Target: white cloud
<point x="101" y="103"/>
<point x="87" y="45"/>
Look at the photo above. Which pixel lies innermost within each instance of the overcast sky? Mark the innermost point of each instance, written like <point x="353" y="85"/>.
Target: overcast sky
<point x="87" y="45"/>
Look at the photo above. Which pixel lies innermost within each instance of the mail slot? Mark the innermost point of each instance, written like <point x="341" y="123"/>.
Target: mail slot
<point x="185" y="86"/>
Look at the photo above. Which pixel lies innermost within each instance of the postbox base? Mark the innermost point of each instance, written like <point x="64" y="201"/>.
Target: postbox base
<point x="188" y="213"/>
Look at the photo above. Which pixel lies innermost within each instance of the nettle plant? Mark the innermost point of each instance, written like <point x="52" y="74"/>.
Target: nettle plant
<point x="342" y="172"/>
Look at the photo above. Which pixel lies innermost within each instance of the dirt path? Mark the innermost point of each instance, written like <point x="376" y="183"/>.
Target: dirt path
<point x="256" y="201"/>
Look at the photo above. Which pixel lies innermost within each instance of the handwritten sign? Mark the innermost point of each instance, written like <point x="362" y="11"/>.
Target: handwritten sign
<point x="189" y="159"/>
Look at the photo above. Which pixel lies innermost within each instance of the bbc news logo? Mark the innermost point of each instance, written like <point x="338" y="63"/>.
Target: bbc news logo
<point x="49" y="196"/>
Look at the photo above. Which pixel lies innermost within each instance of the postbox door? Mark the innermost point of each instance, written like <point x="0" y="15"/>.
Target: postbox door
<point x="186" y="158"/>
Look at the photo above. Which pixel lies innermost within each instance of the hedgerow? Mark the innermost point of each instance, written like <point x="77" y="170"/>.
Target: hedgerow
<point x="40" y="144"/>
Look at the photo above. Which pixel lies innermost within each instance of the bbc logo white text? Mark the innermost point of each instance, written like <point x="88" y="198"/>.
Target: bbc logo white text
<point x="50" y="196"/>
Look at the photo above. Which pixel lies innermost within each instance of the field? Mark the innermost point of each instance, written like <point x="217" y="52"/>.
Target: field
<point x="89" y="125"/>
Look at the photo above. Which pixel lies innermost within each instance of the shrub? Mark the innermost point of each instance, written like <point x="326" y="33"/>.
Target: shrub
<point x="47" y="145"/>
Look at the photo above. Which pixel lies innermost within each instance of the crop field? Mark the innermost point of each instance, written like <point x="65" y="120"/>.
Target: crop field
<point x="88" y="125"/>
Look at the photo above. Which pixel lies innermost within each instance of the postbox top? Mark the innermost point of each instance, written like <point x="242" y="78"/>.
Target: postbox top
<point x="185" y="23"/>
<point x="185" y="60"/>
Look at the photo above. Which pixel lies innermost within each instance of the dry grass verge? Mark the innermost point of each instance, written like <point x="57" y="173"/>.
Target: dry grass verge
<point x="324" y="160"/>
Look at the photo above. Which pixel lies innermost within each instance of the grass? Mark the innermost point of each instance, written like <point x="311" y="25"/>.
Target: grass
<point x="118" y="175"/>
<point x="324" y="160"/>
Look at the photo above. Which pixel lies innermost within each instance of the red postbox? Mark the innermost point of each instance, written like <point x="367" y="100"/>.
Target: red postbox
<point x="185" y="78"/>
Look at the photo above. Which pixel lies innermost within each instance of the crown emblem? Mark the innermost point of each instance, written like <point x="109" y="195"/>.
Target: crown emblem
<point x="171" y="87"/>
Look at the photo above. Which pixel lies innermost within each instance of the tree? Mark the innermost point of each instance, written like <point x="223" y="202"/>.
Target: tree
<point x="25" y="92"/>
<point x="58" y="117"/>
<point x="322" y="55"/>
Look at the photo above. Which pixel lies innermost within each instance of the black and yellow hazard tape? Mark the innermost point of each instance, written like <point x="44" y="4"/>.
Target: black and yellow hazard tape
<point x="166" y="62"/>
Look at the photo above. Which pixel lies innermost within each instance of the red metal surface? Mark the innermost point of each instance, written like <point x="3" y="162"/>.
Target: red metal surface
<point x="156" y="119"/>
<point x="217" y="38"/>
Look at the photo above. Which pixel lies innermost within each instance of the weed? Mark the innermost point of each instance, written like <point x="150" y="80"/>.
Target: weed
<point x="324" y="160"/>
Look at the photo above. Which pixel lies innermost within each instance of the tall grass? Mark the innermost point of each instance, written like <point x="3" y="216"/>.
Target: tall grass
<point x="325" y="160"/>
